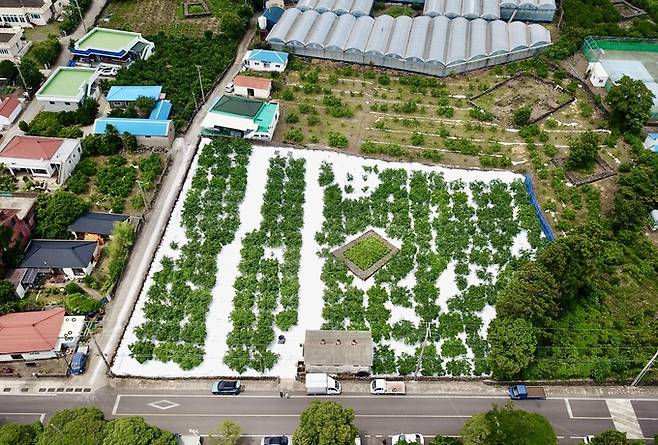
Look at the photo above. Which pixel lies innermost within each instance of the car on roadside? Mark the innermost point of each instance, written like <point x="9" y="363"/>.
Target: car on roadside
<point x="226" y="387"/>
<point x="408" y="438"/>
<point x="79" y="361"/>
<point x="229" y="88"/>
<point x="276" y="440"/>
<point x="107" y="70"/>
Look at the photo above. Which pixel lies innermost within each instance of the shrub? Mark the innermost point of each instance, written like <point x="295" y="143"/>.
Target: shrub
<point x="312" y="120"/>
<point x="294" y="135"/>
<point x="367" y="252"/>
<point x="521" y="116"/>
<point x="417" y="139"/>
<point x="80" y="304"/>
<point x="337" y="140"/>
<point x="481" y="114"/>
<point x="292" y="118"/>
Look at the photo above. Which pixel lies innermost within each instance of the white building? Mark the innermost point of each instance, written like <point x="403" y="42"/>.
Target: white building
<point x="598" y="76"/>
<point x="264" y="60"/>
<point x="28" y="13"/>
<point x="41" y="157"/>
<point x="256" y="87"/>
<point x="67" y="87"/>
<point x="12" y="44"/>
<point x="241" y="117"/>
<point x="38" y="335"/>
<point x="10" y="108"/>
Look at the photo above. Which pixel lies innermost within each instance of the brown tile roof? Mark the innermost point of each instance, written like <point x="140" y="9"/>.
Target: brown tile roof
<point x="252" y="82"/>
<point x="30" y="147"/>
<point x="30" y="331"/>
<point x="8" y="106"/>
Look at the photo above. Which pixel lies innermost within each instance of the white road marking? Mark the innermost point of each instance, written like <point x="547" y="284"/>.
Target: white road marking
<point x="42" y="416"/>
<point x="116" y="404"/>
<point x="566" y="402"/>
<point x="623" y="417"/>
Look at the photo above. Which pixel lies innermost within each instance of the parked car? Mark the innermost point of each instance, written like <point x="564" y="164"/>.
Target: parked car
<point x="79" y="361"/>
<point x="276" y="440"/>
<point x="409" y="438"/>
<point x="230" y="387"/>
<point x="107" y="70"/>
<point x="229" y="88"/>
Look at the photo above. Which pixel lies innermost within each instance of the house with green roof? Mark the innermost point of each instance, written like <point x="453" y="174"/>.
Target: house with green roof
<point x="67" y="87"/>
<point x="241" y="117"/>
<point x="113" y="46"/>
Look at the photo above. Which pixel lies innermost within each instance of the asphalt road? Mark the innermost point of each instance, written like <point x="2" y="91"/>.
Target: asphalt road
<point x="376" y="417"/>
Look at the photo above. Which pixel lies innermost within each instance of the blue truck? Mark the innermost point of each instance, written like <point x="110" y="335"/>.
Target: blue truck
<point x="523" y="392"/>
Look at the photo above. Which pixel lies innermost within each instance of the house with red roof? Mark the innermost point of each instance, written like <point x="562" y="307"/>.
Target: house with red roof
<point x="256" y="87"/>
<point x="41" y="157"/>
<point x="38" y="335"/>
<point x="10" y="108"/>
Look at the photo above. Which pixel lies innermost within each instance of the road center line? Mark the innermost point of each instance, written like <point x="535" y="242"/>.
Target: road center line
<point x="566" y="402"/>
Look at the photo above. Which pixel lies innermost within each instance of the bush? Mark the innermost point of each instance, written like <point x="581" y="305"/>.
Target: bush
<point x="80" y="304"/>
<point x="313" y="120"/>
<point x="521" y="116"/>
<point x="294" y="135"/>
<point x="337" y="140"/>
<point x="46" y="51"/>
<point x="417" y="139"/>
<point x="481" y="114"/>
<point x="292" y="118"/>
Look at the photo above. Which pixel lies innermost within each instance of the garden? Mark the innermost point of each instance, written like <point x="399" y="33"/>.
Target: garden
<point x="247" y="264"/>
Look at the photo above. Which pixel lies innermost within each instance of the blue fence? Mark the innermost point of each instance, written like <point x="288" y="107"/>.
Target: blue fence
<point x="545" y="227"/>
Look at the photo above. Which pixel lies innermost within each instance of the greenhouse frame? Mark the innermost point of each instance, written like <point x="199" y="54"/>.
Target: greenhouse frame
<point x="469" y="9"/>
<point x="356" y="8"/>
<point x="436" y="46"/>
<point x="528" y="10"/>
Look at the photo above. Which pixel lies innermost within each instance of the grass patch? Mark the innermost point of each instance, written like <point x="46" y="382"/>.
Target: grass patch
<point x="367" y="252"/>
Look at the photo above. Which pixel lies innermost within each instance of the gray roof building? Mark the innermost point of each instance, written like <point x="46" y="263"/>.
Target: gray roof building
<point x="338" y="352"/>
<point x="58" y="254"/>
<point x="97" y="223"/>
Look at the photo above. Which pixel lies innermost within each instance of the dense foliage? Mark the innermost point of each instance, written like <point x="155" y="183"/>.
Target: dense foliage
<point x="64" y="124"/>
<point x="630" y="103"/>
<point x="121" y="240"/>
<point x="55" y="212"/>
<point x="80" y="304"/>
<point x="267" y="289"/>
<point x="180" y="294"/>
<point x="46" y="51"/>
<point x="18" y="434"/>
<point x="614" y="437"/>
<point x="326" y="423"/>
<point x="72" y="15"/>
<point x="367" y="252"/>
<point x="583" y="151"/>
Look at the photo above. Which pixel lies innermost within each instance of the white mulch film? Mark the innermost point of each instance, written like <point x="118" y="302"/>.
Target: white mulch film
<point x="311" y="286"/>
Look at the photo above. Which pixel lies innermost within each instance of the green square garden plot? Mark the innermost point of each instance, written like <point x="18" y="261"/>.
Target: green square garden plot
<point x="367" y="254"/>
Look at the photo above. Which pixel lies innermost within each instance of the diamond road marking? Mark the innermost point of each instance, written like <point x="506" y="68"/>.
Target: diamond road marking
<point x="163" y="404"/>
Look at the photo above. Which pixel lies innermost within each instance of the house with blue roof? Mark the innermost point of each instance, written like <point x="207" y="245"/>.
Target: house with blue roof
<point x="265" y="60"/>
<point x="651" y="142"/>
<point x="149" y="132"/>
<point x="122" y="96"/>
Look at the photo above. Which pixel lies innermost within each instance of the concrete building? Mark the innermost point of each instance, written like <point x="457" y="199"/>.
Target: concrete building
<point x="112" y="46"/>
<point x="12" y="44"/>
<point x="241" y="117"/>
<point x="122" y="96"/>
<point x="38" y="335"/>
<point x="264" y="60"/>
<point x="94" y="225"/>
<point x="72" y="258"/>
<point x="338" y="352"/>
<point x="28" y="13"/>
<point x="10" y="108"/>
<point x="41" y="157"/>
<point x="149" y="132"/>
<point x="256" y="87"/>
<point x="67" y="87"/>
<point x="598" y="76"/>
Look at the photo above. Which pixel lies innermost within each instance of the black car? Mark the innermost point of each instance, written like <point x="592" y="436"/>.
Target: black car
<point x="231" y="387"/>
<point x="276" y="440"/>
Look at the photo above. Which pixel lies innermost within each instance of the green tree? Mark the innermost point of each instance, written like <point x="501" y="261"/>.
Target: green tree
<point x="7" y="180"/>
<point x="55" y="212"/>
<point x="31" y="74"/>
<point x="86" y="112"/>
<point x="630" y="103"/>
<point x="144" y="105"/>
<point x="7" y="292"/>
<point x="232" y="25"/>
<point x="513" y="345"/>
<point x="119" y="246"/>
<point x="135" y="431"/>
<point x="80" y="304"/>
<point x="8" y="70"/>
<point x="46" y="51"/>
<point x="85" y="424"/>
<point x="508" y="426"/>
<point x="226" y="433"/>
<point x="443" y="440"/>
<point x="532" y="294"/>
<point x="521" y="116"/>
<point x="326" y="423"/>
<point x="17" y="434"/>
<point x="583" y="151"/>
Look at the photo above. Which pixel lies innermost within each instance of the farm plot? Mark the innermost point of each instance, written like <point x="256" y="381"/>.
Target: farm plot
<point x="247" y="263"/>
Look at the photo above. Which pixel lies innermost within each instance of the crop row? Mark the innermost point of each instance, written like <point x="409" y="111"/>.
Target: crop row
<point x="267" y="289"/>
<point x="180" y="293"/>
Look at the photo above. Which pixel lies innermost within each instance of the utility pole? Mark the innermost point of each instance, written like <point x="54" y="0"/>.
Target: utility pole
<point x="20" y="73"/>
<point x="422" y="350"/>
<point x="82" y="19"/>
<point x="141" y="189"/>
<point x="198" y="70"/>
<point x="109" y="368"/>
<point x="644" y="370"/>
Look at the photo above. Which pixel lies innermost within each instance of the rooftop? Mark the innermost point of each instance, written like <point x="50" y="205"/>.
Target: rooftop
<point x="335" y="348"/>
<point x="6" y="34"/>
<point x="98" y="223"/>
<point x="106" y="39"/>
<point x="66" y="82"/>
<point x="263" y="55"/>
<point x="21" y="204"/>
<point x="58" y="254"/>
<point x="30" y="331"/>
<point x="21" y="3"/>
<point x="266" y="116"/>
<point x="131" y="93"/>
<point x="9" y="105"/>
<point x="134" y="126"/>
<point x="252" y="82"/>
<point x="238" y="106"/>
<point x="161" y="111"/>
<point x="31" y="147"/>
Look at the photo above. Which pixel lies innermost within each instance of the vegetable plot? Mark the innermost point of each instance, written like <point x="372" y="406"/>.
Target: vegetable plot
<point x="267" y="289"/>
<point x="178" y="299"/>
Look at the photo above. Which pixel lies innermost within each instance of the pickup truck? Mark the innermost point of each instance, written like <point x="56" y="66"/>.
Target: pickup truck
<point x="522" y="392"/>
<point x="382" y="386"/>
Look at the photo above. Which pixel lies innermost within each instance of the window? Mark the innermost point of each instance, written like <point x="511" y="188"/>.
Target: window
<point x="16" y="356"/>
<point x="67" y="103"/>
<point x="35" y="16"/>
<point x="51" y="103"/>
<point x="147" y="136"/>
<point x="78" y="272"/>
<point x="266" y="64"/>
<point x="4" y="51"/>
<point x="22" y="19"/>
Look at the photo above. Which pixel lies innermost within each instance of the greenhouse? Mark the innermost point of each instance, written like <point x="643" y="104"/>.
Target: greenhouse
<point x="356" y="8"/>
<point x="528" y="10"/>
<point x="470" y="9"/>
<point x="436" y="46"/>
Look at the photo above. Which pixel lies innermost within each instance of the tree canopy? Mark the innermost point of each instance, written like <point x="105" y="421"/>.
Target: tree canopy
<point x="513" y="343"/>
<point x="614" y="437"/>
<point x="583" y="151"/>
<point x="326" y="423"/>
<point x="630" y="104"/>
<point x="226" y="433"/>
<point x="55" y="212"/>
<point x="508" y="426"/>
<point x="135" y="431"/>
<point x="18" y="434"/>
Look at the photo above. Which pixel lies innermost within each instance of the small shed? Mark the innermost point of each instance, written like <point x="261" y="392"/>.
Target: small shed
<point x="256" y="87"/>
<point x="654" y="219"/>
<point x="338" y="352"/>
<point x="273" y="14"/>
<point x="598" y="76"/>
